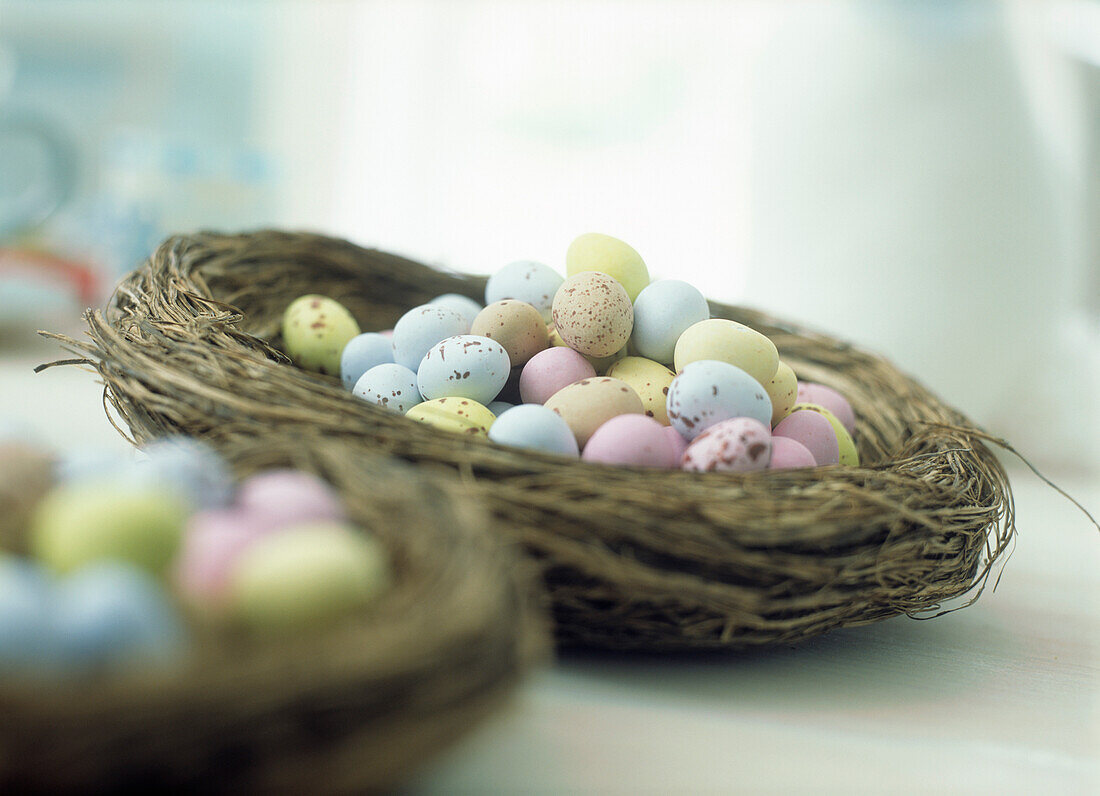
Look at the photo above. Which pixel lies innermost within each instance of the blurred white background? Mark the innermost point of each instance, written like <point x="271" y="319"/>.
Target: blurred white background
<point x="921" y="178"/>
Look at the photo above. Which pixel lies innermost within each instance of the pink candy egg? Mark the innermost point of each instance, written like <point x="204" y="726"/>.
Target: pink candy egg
<point x="550" y="370"/>
<point x="788" y="454"/>
<point x="279" y="498"/>
<point x="212" y="543"/>
<point x="814" y="432"/>
<point x="679" y="444"/>
<point x="632" y="441"/>
<point x="739" y="444"/>
<point x="811" y="393"/>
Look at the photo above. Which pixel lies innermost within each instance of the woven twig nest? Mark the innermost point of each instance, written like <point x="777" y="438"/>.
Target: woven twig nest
<point x="632" y="558"/>
<point x="348" y="710"/>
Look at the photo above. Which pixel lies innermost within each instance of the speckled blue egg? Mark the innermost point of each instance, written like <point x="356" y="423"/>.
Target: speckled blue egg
<point x="662" y="311"/>
<point x="361" y="354"/>
<point x="708" y="392"/>
<point x="189" y="467"/>
<point x="422" y="327"/>
<point x="499" y="407"/>
<point x="463" y="305"/>
<point x="535" y="427"/>
<point x="526" y="281"/>
<point x="25" y="601"/>
<point x="390" y="386"/>
<point x="111" y="614"/>
<point x="466" y="366"/>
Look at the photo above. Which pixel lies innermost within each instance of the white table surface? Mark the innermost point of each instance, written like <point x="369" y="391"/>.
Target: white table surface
<point x="1001" y="697"/>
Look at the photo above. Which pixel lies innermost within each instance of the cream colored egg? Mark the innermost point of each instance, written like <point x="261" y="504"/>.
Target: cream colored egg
<point x="650" y="380"/>
<point x="315" y="331"/>
<point x="588" y="404"/>
<point x="458" y="415"/>
<point x="732" y="342"/>
<point x="595" y="252"/>
<point x="593" y="314"/>
<point x="848" y="453"/>
<point x="783" y="391"/>
<point x="516" y="325"/>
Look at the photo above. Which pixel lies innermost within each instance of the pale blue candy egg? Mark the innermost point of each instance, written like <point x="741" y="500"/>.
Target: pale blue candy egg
<point x="26" y="640"/>
<point x="527" y="281"/>
<point x="708" y="392"/>
<point x="499" y="407"/>
<point x="422" y="327"/>
<point x="466" y="366"/>
<point x="362" y="353"/>
<point x="112" y="614"/>
<point x="662" y="312"/>
<point x="390" y="386"/>
<point x="534" y="427"/>
<point x="463" y="305"/>
<point x="81" y="464"/>
<point x="189" y="467"/>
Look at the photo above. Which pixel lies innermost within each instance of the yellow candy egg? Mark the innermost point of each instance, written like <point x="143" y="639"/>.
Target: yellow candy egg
<point x="459" y="415"/>
<point x="315" y="331"/>
<point x="848" y="453"/>
<point x="783" y="391"/>
<point x="589" y="403"/>
<point x="650" y="380"/>
<point x="595" y="252"/>
<point x="728" y="341"/>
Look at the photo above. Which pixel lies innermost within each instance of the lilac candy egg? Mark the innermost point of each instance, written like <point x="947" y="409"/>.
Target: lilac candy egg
<point x="789" y="454"/>
<point x="280" y="498"/>
<point x="534" y="427"/>
<point x="422" y="327"/>
<point x="811" y="393"/>
<point x="463" y="305"/>
<point x="466" y="366"/>
<point x="676" y="439"/>
<point x="630" y="441"/>
<point x="739" y="445"/>
<point x="814" y="431"/>
<point x="211" y="545"/>
<point x="709" y="391"/>
<point x="361" y="354"/>
<point x="390" y="386"/>
<point x="550" y="370"/>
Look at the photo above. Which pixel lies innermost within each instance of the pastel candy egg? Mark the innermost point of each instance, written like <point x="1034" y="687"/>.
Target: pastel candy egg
<point x="599" y="364"/>
<point x="211" y="545"/>
<point x="307" y="576"/>
<point x="788" y="454"/>
<point x="110" y="614"/>
<point x="651" y="380"/>
<point x="78" y="464"/>
<point x="819" y="394"/>
<point x="708" y="392"/>
<point x="588" y="404"/>
<point x="662" y="312"/>
<point x="315" y="331"/>
<point x="499" y="407"/>
<point x="516" y="325"/>
<point x="593" y="314"/>
<point x="83" y="522"/>
<point x="26" y="474"/>
<point x="814" y="431"/>
<point x="390" y="386"/>
<point x="278" y="498"/>
<point x="463" y="305"/>
<point x="550" y="370"/>
<point x="188" y="466"/>
<point x="846" y="446"/>
<point x="782" y="389"/>
<point x="740" y="444"/>
<point x="466" y="366"/>
<point x="731" y="342"/>
<point x="631" y="441"/>
<point x="458" y="415"/>
<point x="25" y="602"/>
<point x="677" y="441"/>
<point x="422" y="327"/>
<point x="528" y="281"/>
<point x="534" y="427"/>
<point x="595" y="252"/>
<point x="361" y="354"/>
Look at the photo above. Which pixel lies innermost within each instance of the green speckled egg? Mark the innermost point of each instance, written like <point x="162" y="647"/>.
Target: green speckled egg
<point x="315" y="331"/>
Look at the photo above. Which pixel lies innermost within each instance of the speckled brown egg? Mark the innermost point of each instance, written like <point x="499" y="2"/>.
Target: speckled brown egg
<point x="516" y="325"/>
<point x="589" y="403"/>
<point x="593" y="314"/>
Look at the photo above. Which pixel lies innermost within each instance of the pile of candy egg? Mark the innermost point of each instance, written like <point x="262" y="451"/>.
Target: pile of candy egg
<point x="604" y="364"/>
<point x="125" y="555"/>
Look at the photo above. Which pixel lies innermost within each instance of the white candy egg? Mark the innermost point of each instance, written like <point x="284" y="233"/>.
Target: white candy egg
<point x="534" y="427"/>
<point x="361" y="354"/>
<point x="465" y="366"/>
<point x="463" y="305"/>
<point x="422" y="327"/>
<point x="390" y="386"/>
<point x="662" y="312"/>
<point x="708" y="392"/>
